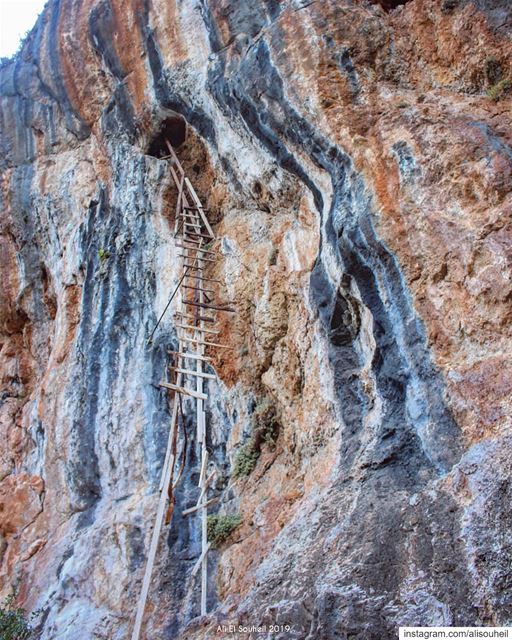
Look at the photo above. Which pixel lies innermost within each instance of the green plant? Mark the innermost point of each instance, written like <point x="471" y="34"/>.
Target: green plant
<point x="265" y="424"/>
<point x="245" y="460"/>
<point x="497" y="91"/>
<point x="219" y="528"/>
<point x="103" y="254"/>
<point x="14" y="624"/>
<point x="492" y="70"/>
<point x="265" y="429"/>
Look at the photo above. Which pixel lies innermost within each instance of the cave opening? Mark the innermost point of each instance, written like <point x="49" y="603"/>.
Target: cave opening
<point x="389" y="5"/>
<point x="173" y="129"/>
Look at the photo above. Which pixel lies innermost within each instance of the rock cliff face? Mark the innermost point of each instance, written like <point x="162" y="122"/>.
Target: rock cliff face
<point x="356" y="160"/>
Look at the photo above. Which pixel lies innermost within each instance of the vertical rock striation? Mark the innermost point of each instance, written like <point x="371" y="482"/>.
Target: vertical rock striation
<point x="357" y="161"/>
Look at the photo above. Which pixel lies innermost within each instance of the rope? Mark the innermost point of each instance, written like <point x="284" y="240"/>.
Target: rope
<point x="150" y="339"/>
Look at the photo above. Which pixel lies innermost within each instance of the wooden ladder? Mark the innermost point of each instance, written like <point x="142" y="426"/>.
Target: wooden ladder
<point x="196" y="332"/>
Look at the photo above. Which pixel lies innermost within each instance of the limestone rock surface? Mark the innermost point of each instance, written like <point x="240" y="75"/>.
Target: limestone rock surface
<point x="356" y="159"/>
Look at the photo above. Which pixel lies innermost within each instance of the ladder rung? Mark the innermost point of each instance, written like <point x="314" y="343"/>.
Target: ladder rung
<point x="208" y="306"/>
<point x="201" y="242"/>
<point x="193" y="356"/>
<point x="191" y="266"/>
<point x="198" y="374"/>
<point x="203" y="258"/>
<point x="191" y="317"/>
<point x="187" y="286"/>
<point x="183" y="246"/>
<point x="189" y="326"/>
<point x="205" y="278"/>
<point x="196" y="208"/>
<point x="187" y="392"/>
<point x="200" y="235"/>
<point x="208" y="344"/>
<point x="197" y="507"/>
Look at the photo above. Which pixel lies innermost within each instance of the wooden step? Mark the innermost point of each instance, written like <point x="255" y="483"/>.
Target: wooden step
<point x="204" y="342"/>
<point x="204" y="278"/>
<point x="193" y="356"/>
<point x="191" y="372"/>
<point x="198" y="249"/>
<point x="187" y="392"/>
<point x="196" y="257"/>
<point x="192" y="317"/>
<point x="208" y="306"/>
<point x="197" y="507"/>
<point x="188" y="286"/>
<point x="189" y="326"/>
<point x="201" y="235"/>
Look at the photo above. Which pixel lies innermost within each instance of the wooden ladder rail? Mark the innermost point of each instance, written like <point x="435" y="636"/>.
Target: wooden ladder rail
<point x="155" y="536"/>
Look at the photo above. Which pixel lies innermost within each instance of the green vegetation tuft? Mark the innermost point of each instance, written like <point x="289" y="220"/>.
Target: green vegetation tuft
<point x="265" y="424"/>
<point x="14" y="624"/>
<point x="265" y="430"/>
<point x="220" y="528"/>
<point x="497" y="91"/>
<point x="245" y="460"/>
<point x="103" y="254"/>
<point x="493" y="70"/>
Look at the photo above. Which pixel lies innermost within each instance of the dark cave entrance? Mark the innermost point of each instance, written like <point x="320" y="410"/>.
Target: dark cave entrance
<point x="389" y="5"/>
<point x="173" y="129"/>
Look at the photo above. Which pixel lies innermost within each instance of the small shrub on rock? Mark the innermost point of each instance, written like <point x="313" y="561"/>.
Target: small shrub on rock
<point x="220" y="528"/>
<point x="14" y="624"/>
<point x="499" y="90"/>
<point x="265" y="424"/>
<point x="265" y="429"/>
<point x="245" y="460"/>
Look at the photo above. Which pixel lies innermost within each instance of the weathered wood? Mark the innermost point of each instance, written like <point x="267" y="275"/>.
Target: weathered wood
<point x="190" y="326"/>
<point x="164" y="487"/>
<point x="203" y="342"/>
<point x="188" y="286"/>
<point x="200" y="209"/>
<point x="197" y="277"/>
<point x="204" y="464"/>
<point x="192" y="356"/>
<point x="193" y="216"/>
<point x="196" y="257"/>
<point x="197" y="507"/>
<point x="192" y="317"/>
<point x="208" y="306"/>
<point x="204" y="488"/>
<point x="191" y="267"/>
<point x="201" y="235"/>
<point x="200" y="242"/>
<point x="200" y="559"/>
<point x="191" y="372"/>
<point x="198" y="249"/>
<point x="183" y="390"/>
<point x="178" y="205"/>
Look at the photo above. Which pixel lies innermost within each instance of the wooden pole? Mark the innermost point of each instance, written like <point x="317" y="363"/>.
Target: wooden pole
<point x="166" y="481"/>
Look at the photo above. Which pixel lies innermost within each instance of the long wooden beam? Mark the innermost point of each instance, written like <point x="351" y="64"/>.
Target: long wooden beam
<point x="193" y="356"/>
<point x="203" y="342"/>
<point x="183" y="390"/>
<point x="200" y="506"/>
<point x="162" y="502"/>
<point x="208" y="306"/>
<point x="191" y="372"/>
<point x="190" y="326"/>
